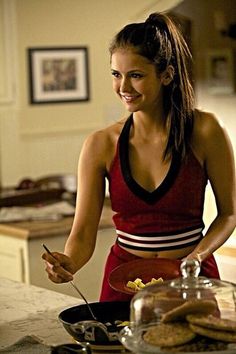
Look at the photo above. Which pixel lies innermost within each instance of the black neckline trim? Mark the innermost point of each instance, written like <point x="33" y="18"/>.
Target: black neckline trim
<point x="148" y="197"/>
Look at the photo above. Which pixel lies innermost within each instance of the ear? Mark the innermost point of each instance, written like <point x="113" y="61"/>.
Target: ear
<point x="167" y="75"/>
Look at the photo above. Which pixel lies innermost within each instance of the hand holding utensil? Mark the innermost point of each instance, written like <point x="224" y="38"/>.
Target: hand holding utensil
<point x="74" y="286"/>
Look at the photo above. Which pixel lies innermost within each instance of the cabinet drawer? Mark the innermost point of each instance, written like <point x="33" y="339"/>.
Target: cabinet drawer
<point x="12" y="258"/>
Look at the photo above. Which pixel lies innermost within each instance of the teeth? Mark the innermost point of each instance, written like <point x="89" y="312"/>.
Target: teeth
<point x="128" y="97"/>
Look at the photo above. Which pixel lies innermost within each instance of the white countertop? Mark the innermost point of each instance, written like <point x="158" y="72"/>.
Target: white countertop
<point x="30" y="310"/>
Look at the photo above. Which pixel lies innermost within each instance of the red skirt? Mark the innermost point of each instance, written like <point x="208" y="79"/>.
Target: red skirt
<point x="118" y="256"/>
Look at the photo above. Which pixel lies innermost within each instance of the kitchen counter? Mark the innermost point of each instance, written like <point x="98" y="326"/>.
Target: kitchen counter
<point x="30" y="310"/>
<point x="27" y="230"/>
<point x="31" y="313"/>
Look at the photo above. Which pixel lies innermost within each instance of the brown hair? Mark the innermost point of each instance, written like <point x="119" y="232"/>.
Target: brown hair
<point x="159" y="40"/>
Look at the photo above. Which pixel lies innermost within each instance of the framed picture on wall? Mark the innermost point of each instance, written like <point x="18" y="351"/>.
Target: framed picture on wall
<point x="220" y="71"/>
<point x="58" y="74"/>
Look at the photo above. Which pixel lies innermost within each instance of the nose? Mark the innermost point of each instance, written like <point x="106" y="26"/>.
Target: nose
<point x="125" y="85"/>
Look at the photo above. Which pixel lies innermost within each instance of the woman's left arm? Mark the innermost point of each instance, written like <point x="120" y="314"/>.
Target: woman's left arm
<point x="219" y="163"/>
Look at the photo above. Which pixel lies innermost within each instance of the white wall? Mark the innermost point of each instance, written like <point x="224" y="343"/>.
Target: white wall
<point x="43" y="139"/>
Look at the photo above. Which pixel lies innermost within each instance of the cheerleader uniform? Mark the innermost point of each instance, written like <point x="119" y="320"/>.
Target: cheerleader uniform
<point x="168" y="218"/>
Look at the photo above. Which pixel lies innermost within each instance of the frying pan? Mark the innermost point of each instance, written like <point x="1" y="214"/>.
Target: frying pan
<point x="78" y="322"/>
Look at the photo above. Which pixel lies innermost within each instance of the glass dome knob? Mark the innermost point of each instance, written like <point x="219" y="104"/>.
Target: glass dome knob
<point x="190" y="268"/>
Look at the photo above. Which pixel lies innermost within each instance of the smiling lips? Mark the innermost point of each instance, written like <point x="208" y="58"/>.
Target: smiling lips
<point x="129" y="98"/>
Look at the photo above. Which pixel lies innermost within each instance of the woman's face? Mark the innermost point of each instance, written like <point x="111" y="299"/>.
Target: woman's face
<point x="135" y="81"/>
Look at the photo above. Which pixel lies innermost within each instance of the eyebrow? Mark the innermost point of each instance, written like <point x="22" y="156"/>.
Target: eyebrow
<point x="131" y="71"/>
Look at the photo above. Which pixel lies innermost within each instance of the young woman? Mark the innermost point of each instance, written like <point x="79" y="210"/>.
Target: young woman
<point x="157" y="161"/>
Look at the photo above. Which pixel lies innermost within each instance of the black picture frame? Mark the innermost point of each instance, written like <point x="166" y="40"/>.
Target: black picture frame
<point x="58" y="75"/>
<point x="220" y="71"/>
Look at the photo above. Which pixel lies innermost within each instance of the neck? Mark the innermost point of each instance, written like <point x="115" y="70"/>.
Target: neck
<point x="149" y="124"/>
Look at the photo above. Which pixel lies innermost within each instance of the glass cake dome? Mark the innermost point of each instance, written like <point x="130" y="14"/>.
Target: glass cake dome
<point x="184" y="315"/>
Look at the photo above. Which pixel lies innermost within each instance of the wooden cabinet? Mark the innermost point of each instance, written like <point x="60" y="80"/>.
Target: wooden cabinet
<point x="13" y="258"/>
<point x="21" y="250"/>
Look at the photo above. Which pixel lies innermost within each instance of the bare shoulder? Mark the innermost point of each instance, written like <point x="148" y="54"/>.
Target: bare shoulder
<point x="101" y="144"/>
<point x="208" y="133"/>
<point x="206" y="123"/>
<point x="103" y="138"/>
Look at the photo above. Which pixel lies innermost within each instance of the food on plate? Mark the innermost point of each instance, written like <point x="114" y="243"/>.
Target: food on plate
<point x="197" y="345"/>
<point x="212" y="322"/>
<point x="122" y="323"/>
<point x="190" y="307"/>
<point x="169" y="334"/>
<point x="138" y="284"/>
<point x="225" y="336"/>
<point x="193" y="327"/>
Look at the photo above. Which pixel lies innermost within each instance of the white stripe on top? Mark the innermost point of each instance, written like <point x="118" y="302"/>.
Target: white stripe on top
<point x="159" y="238"/>
<point x="151" y="242"/>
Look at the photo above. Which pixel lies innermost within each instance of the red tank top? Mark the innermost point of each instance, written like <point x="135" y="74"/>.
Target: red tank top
<point x="170" y="217"/>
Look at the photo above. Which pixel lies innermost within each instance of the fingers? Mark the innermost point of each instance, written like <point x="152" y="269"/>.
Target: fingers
<point x="192" y="256"/>
<point x="58" y="274"/>
<point x="51" y="258"/>
<point x="56" y="271"/>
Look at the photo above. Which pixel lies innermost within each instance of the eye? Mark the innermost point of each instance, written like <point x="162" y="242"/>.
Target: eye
<point x="136" y="75"/>
<point x="115" y="73"/>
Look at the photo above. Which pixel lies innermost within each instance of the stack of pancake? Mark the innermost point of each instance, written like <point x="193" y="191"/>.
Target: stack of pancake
<point x="194" y="326"/>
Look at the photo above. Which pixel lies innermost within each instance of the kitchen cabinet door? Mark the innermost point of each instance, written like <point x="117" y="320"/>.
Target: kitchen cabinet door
<point x="13" y="263"/>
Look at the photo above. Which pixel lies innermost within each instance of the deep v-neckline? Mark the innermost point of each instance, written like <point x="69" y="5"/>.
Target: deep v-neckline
<point x="135" y="187"/>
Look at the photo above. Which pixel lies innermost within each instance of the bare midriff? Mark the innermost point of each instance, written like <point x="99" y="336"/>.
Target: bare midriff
<point x="171" y="254"/>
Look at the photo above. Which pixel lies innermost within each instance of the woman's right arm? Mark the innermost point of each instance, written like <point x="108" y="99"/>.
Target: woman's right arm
<point x="81" y="242"/>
